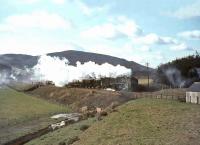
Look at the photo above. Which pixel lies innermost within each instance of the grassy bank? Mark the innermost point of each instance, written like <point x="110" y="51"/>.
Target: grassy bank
<point x="147" y="121"/>
<point x="21" y="113"/>
<point x="65" y="134"/>
<point x="139" y="122"/>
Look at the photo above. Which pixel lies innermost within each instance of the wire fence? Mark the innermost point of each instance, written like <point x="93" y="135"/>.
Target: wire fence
<point x="161" y="95"/>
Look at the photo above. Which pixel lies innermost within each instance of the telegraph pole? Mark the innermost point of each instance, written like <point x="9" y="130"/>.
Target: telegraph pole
<point x="147" y="65"/>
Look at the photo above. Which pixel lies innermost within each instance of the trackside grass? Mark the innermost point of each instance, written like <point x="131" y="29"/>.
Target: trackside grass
<point x="21" y="113"/>
<point x="147" y="122"/>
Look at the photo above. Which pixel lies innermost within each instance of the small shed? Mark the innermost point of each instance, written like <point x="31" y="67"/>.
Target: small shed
<point x="193" y="93"/>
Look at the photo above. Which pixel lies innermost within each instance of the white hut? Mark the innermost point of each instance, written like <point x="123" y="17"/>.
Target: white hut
<point x="193" y="93"/>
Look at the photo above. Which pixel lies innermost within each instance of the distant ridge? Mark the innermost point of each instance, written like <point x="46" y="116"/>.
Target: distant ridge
<point x="74" y="56"/>
<point x="20" y="60"/>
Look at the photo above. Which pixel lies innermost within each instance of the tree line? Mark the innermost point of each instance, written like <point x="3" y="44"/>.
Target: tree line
<point x="187" y="67"/>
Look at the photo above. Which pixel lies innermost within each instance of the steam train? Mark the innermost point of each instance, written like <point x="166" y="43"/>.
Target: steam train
<point x="119" y="83"/>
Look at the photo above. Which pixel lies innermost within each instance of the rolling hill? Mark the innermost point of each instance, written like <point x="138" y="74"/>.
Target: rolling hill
<point x="5" y="67"/>
<point x="20" y="61"/>
<point x="74" y="56"/>
<point x="15" y="67"/>
<point x="21" y="113"/>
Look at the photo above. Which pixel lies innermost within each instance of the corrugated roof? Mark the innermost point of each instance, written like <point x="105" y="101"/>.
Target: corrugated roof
<point x="195" y="87"/>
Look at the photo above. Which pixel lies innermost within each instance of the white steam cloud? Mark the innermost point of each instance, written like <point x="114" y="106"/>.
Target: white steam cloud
<point x="175" y="78"/>
<point x="3" y="78"/>
<point x="60" y="72"/>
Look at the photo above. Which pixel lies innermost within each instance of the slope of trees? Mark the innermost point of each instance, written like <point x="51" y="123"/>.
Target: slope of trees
<point x="185" y="68"/>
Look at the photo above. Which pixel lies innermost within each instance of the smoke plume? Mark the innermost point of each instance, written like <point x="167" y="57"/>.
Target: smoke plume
<point x="174" y="77"/>
<point x="4" y="78"/>
<point x="60" y="72"/>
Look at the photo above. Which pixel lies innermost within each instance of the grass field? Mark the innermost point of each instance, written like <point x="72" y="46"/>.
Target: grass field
<point x="62" y="135"/>
<point x="147" y="121"/>
<point x="139" y="122"/>
<point x="21" y="113"/>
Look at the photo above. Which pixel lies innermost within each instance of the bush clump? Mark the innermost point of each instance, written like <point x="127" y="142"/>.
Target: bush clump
<point x="84" y="127"/>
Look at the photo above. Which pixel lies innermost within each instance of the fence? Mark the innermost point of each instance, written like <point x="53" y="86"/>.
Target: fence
<point x="158" y="95"/>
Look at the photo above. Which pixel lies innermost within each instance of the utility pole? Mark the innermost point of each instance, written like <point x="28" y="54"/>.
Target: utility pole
<point x="147" y="64"/>
<point x="132" y="83"/>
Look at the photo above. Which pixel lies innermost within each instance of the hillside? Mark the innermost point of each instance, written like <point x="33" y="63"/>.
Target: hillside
<point x="21" y="113"/>
<point x="180" y="72"/>
<point x="20" y="61"/>
<point x="77" y="97"/>
<point x="74" y="56"/>
<point x="138" y="122"/>
<point x="146" y="121"/>
<point x="5" y="67"/>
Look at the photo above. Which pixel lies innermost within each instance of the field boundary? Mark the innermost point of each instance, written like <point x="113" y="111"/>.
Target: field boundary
<point x="172" y="96"/>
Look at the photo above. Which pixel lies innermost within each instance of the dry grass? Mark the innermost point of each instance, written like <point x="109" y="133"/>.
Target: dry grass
<point x="77" y="97"/>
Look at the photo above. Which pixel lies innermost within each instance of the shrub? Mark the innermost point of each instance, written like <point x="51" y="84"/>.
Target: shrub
<point x="84" y="127"/>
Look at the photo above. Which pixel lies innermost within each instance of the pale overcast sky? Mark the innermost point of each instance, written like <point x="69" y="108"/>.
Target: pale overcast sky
<point x="154" y="31"/>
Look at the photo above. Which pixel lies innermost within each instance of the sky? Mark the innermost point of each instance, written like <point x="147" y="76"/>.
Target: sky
<point x="155" y="31"/>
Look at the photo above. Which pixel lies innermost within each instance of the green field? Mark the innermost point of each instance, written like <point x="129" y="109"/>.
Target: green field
<point x="21" y="113"/>
<point x="147" y="121"/>
<point x="139" y="122"/>
<point x="63" y="134"/>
